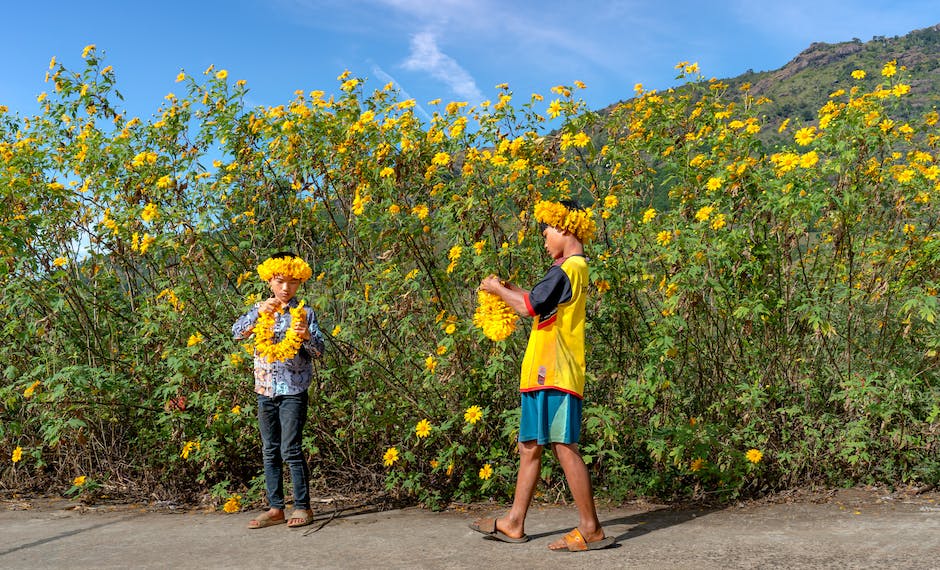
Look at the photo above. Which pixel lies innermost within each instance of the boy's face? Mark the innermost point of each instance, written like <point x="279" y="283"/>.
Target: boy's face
<point x="284" y="288"/>
<point x="555" y="241"/>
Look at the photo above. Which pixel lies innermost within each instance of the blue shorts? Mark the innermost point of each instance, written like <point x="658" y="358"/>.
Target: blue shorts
<point x="550" y="416"/>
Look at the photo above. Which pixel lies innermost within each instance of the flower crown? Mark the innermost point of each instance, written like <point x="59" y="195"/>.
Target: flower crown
<point x="292" y="267"/>
<point x="575" y="220"/>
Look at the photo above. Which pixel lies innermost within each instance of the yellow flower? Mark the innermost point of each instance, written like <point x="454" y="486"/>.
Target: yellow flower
<point x="221" y="74"/>
<point x="28" y="392"/>
<point x="809" y="159"/>
<point x="450" y="468"/>
<point x="554" y="109"/>
<point x="754" y="455"/>
<point x="421" y="211"/>
<point x="194" y="339"/>
<point x="237" y="410"/>
<point x="450" y="328"/>
<point x="858" y="74"/>
<point x="60" y="261"/>
<point x="387" y="172"/>
<point x="88" y="49"/>
<point x="188" y="448"/>
<point x="180" y="77"/>
<point x="714" y="183"/>
<point x="434" y="463"/>
<point x="423" y="429"/>
<point x="908" y="229"/>
<point x="79" y="481"/>
<point x="697" y="464"/>
<point x="719" y="222"/>
<point x="486" y="472"/>
<point x="441" y="350"/>
<point x="890" y="68"/>
<point x="581" y="140"/>
<point x="441" y="159"/>
<point x="232" y="504"/>
<point x="390" y="457"/>
<point x="336" y="330"/>
<point x="478" y="246"/>
<point x="495" y="318"/>
<point x="664" y="237"/>
<point x="602" y="285"/>
<point x="648" y="215"/>
<point x="17" y="454"/>
<point x="359" y="203"/>
<point x="145" y="242"/>
<point x="150" y="212"/>
<point x="473" y="415"/>
<point x="704" y="213"/>
<point x="805" y="136"/>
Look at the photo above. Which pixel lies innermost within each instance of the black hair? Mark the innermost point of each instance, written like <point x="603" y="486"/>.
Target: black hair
<point x="572" y="205"/>
<point x="283" y="255"/>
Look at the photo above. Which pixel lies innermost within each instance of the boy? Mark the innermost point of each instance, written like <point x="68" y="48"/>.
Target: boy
<point x="552" y="383"/>
<point x="286" y="338"/>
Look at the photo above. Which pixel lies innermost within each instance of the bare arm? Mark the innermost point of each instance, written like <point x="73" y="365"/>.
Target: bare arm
<point x="513" y="296"/>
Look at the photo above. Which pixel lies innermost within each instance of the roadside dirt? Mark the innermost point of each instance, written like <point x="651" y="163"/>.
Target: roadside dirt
<point x="850" y="528"/>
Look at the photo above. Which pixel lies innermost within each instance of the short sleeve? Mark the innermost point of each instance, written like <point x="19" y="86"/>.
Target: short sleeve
<point x="553" y="290"/>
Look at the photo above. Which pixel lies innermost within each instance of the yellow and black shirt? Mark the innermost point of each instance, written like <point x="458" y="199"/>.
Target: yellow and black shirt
<point x="554" y="357"/>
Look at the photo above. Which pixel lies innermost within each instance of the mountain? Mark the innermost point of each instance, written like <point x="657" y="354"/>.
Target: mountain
<point x="799" y="88"/>
<point x="802" y="86"/>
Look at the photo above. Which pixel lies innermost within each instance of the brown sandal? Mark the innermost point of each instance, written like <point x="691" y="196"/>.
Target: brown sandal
<point x="574" y="542"/>
<point x="265" y="520"/>
<point x="305" y="517"/>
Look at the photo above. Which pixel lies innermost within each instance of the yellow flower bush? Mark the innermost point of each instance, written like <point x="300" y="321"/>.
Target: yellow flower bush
<point x="728" y="318"/>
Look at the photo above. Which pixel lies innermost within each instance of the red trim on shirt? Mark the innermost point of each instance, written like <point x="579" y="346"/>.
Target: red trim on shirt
<point x="543" y="324"/>
<point x="537" y="388"/>
<point x="528" y="305"/>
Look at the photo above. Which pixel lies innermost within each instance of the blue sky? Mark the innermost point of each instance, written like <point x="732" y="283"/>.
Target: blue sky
<point x="456" y="50"/>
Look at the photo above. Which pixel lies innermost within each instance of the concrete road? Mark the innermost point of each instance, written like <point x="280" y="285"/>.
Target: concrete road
<point x="852" y="529"/>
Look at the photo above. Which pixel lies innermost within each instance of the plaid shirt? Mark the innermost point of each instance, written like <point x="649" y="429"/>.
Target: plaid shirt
<point x="287" y="377"/>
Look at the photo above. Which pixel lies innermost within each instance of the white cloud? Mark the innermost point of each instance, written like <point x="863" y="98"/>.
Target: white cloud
<point x="427" y="57"/>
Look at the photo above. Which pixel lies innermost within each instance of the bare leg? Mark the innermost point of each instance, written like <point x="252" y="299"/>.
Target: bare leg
<point x="579" y="481"/>
<point x="530" y="462"/>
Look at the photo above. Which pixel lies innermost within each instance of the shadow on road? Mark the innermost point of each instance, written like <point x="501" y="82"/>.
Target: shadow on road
<point x="642" y="523"/>
<point x="67" y="534"/>
<point x="657" y="519"/>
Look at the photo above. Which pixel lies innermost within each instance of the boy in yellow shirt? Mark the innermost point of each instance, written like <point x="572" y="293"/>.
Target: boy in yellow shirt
<point x="552" y="382"/>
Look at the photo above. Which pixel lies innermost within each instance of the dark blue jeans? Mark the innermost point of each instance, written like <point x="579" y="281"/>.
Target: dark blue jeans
<point x="282" y="420"/>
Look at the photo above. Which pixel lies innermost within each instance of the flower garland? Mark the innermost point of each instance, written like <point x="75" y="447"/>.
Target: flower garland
<point x="291" y="267"/>
<point x="494" y="317"/>
<point x="264" y="337"/>
<point x="578" y="222"/>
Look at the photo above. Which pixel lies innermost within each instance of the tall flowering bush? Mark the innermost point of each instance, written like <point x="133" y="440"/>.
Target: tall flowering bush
<point x="760" y="316"/>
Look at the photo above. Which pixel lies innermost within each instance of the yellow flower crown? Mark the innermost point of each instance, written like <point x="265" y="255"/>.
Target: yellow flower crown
<point x="579" y="222"/>
<point x="291" y="267"/>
